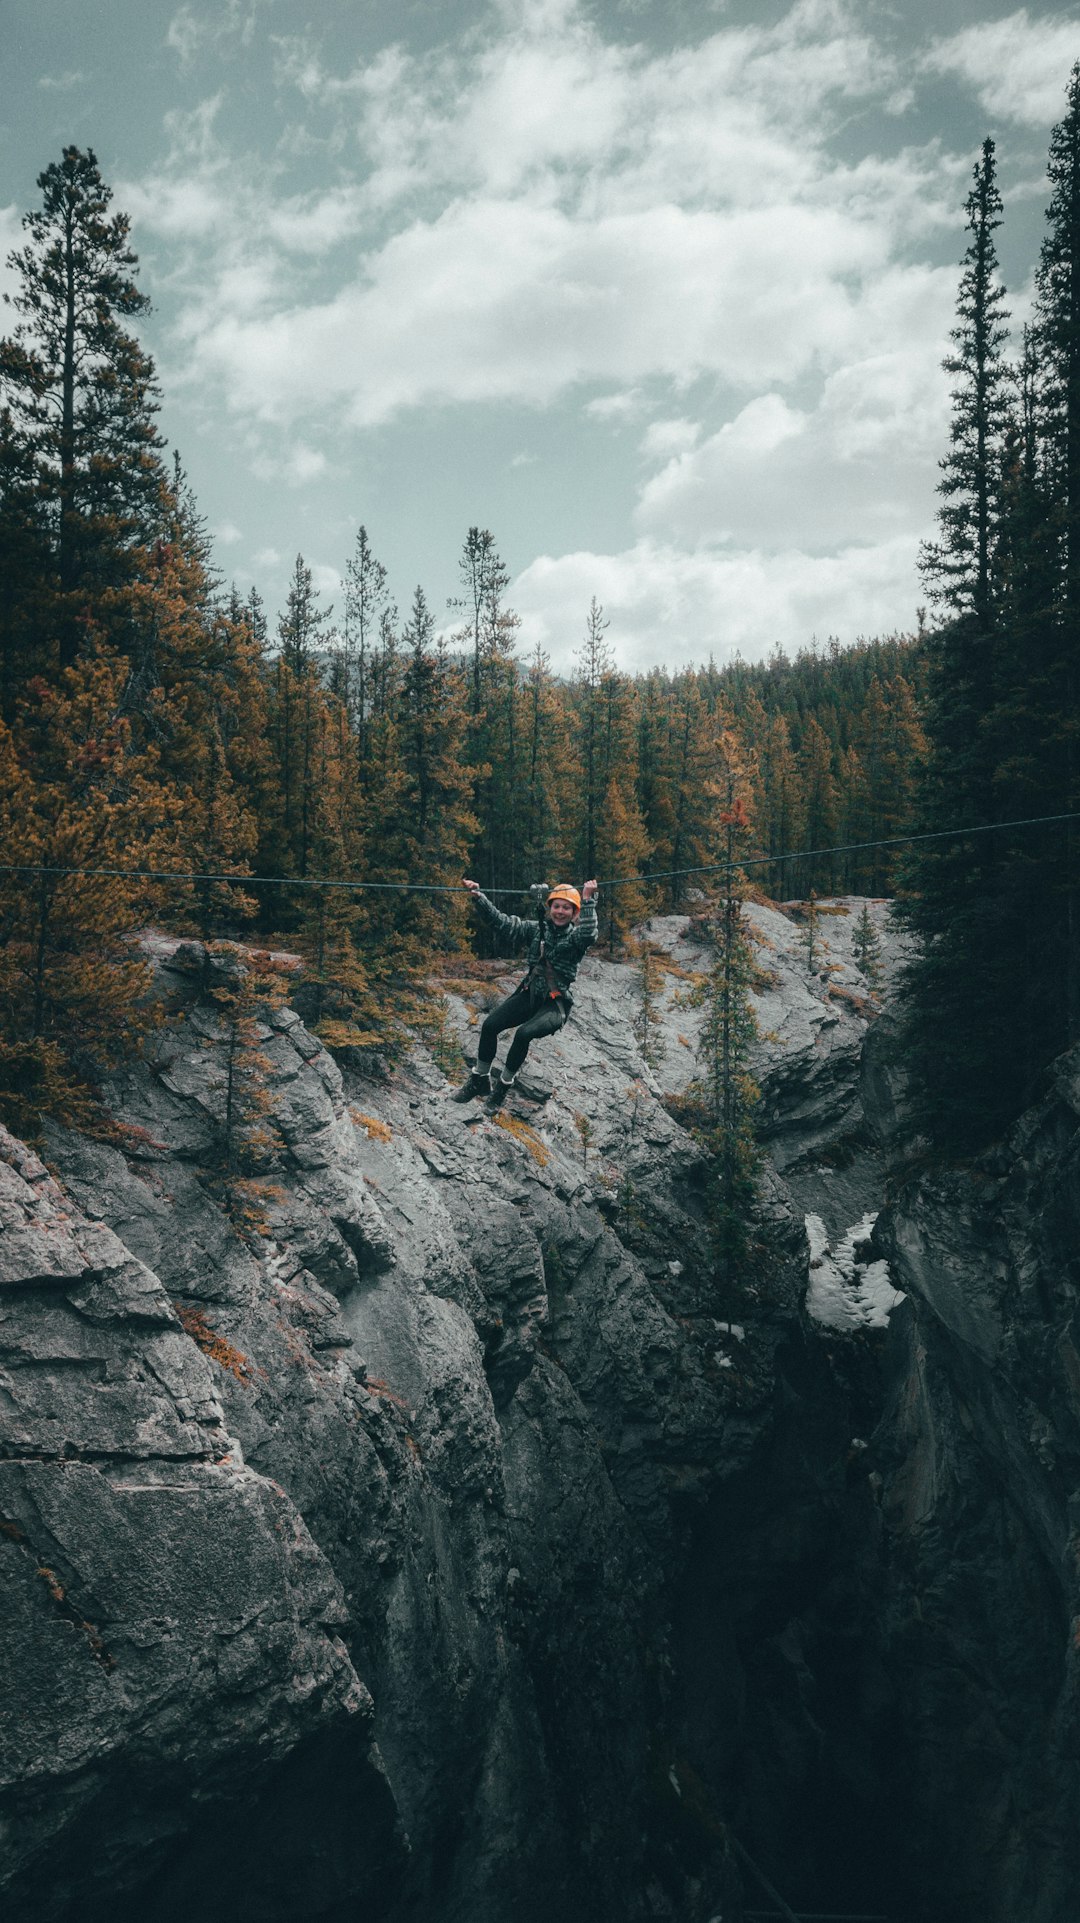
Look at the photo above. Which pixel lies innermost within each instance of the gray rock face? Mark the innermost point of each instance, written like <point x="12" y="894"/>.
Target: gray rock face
<point x="170" y="1625"/>
<point x="978" y="1464"/>
<point x="381" y="1474"/>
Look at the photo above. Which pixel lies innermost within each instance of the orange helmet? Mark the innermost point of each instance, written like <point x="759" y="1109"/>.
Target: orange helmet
<point x="564" y="892"/>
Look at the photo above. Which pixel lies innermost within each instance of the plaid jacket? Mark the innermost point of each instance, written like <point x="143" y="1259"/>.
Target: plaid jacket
<point x="564" y="948"/>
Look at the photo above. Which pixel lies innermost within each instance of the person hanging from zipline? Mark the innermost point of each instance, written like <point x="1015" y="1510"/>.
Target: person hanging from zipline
<point x="565" y="926"/>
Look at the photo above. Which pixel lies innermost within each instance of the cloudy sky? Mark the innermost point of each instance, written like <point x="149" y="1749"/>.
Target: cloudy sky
<point x="657" y="290"/>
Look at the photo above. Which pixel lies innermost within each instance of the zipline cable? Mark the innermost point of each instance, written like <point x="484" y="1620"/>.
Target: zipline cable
<point x="447" y="888"/>
<point x="842" y="848"/>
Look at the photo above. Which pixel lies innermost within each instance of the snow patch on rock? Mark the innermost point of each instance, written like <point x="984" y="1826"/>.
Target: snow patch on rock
<point x="844" y="1291"/>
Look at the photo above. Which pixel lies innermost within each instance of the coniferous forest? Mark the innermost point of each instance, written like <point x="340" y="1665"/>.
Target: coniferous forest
<point x="153" y="720"/>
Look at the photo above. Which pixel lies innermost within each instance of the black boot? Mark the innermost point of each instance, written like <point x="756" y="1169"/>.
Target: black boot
<point x="500" y="1089"/>
<point x="479" y="1083"/>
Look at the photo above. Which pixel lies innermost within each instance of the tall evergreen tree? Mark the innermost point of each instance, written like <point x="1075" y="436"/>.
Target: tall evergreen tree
<point x="484" y="581"/>
<point x="698" y="727"/>
<point x="654" y="773"/>
<point x="730" y="1029"/>
<point x="958" y="987"/>
<point x="303" y="639"/>
<point x="494" y="743"/>
<point x="1058" y="335"/>
<point x="820" y="801"/>
<point x="366" y="595"/>
<point x="622" y="851"/>
<point x="960" y="567"/>
<point x="73" y="795"/>
<point x="595" y="663"/>
<point x="79" y="394"/>
<point x="434" y="824"/>
<point x="541" y="770"/>
<point x="195" y="694"/>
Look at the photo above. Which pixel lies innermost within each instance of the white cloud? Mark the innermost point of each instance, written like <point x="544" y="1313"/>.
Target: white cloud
<point x="548" y="99"/>
<point x="327" y="583"/>
<point x="61" y="82"/>
<point x="536" y="216"/>
<point x="619" y="407"/>
<point x="664" y="438"/>
<point x="495" y="301"/>
<point x="304" y="464"/>
<point x="187" y="207"/>
<point x="1019" y="66"/>
<point x="314" y="223"/>
<point x="296" y="64"/>
<point x="296" y="468"/>
<point x="189" y="32"/>
<point x="857" y="467"/>
<point x="579" y="213"/>
<point x="667" y="605"/>
<point x="228" y="534"/>
<point x="185" y="35"/>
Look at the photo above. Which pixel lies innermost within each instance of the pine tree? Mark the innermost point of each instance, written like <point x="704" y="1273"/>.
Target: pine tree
<point x="960" y="567"/>
<point x="434" y="825"/>
<point x="655" y="779"/>
<point x="80" y="396"/>
<point x="484" y="580"/>
<point x="594" y="663"/>
<point x="494" y="741"/>
<point x="867" y="947"/>
<point x="958" y="988"/>
<point x="25" y="567"/>
<point x="853" y="824"/>
<point x="365" y="599"/>
<point x="346" y="1010"/>
<point x="891" y="745"/>
<point x="819" y="800"/>
<point x="73" y="795"/>
<point x="695" y="747"/>
<point x="777" y="801"/>
<point x="649" y="1018"/>
<point x="730" y="1030"/>
<point x="811" y="930"/>
<point x="1058" y="697"/>
<point x="622" y="850"/>
<point x="245" y="990"/>
<point x="303" y="641"/>
<point x="542" y="773"/>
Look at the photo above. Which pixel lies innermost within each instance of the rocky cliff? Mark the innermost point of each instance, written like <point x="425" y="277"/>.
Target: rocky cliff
<point x="977" y="1471"/>
<point x="415" y="1528"/>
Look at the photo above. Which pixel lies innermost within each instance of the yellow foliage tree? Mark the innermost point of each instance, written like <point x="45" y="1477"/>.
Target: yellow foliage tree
<point x="73" y="795"/>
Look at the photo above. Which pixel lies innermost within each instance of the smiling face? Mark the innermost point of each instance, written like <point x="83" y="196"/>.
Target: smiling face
<point x="561" y="912"/>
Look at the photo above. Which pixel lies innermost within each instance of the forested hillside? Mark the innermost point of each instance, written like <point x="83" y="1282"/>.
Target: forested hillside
<point x="154" y="720"/>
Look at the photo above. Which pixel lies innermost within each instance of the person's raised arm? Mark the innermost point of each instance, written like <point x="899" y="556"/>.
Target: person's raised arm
<point x="510" y="928"/>
<point x="587" y="929"/>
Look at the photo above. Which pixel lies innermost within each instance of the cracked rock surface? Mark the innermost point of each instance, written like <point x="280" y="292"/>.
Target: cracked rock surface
<point x="170" y="1625"/>
<point x="407" y="1506"/>
<point x="977" y="1463"/>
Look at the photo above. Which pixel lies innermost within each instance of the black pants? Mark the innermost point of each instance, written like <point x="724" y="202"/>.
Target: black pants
<point x="530" y="1018"/>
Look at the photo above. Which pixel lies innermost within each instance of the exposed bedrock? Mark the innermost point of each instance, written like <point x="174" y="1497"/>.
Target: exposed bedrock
<point x="416" y="1528"/>
<point x="979" y="1458"/>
